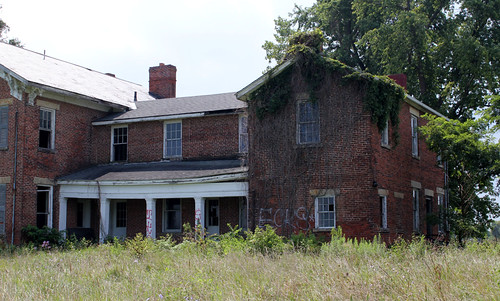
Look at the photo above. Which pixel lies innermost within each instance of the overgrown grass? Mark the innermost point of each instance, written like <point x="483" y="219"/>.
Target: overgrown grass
<point x="232" y="267"/>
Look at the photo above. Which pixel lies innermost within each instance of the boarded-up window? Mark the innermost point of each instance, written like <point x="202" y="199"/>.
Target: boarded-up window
<point x="3" y="197"/>
<point x="4" y="126"/>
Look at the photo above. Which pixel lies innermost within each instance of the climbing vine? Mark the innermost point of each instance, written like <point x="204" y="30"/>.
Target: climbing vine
<point x="382" y="98"/>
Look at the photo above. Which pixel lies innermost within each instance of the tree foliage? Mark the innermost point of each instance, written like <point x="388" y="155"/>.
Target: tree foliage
<point x="473" y="160"/>
<point x="449" y="49"/>
<point x="4" y="28"/>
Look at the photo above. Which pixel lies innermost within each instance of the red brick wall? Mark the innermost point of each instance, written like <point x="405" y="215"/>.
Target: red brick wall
<point x="136" y="217"/>
<point x="202" y="138"/>
<point x="396" y="168"/>
<point x="284" y="176"/>
<point x="73" y="137"/>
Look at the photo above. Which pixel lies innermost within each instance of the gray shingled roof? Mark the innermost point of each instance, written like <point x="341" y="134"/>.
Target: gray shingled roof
<point x="176" y="170"/>
<point x="180" y="106"/>
<point x="35" y="68"/>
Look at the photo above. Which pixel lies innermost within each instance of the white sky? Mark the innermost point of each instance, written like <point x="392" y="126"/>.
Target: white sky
<point x="215" y="44"/>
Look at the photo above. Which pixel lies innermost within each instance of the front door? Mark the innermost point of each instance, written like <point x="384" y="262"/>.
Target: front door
<point x="119" y="219"/>
<point x="212" y="216"/>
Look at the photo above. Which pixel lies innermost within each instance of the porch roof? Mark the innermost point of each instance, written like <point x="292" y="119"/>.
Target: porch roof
<point x="175" y="171"/>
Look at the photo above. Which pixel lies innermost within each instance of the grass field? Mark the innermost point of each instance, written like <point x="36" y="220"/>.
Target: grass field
<point x="235" y="269"/>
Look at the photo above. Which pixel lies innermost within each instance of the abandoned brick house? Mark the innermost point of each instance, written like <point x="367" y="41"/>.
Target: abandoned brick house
<point x="98" y="156"/>
<point x="318" y="162"/>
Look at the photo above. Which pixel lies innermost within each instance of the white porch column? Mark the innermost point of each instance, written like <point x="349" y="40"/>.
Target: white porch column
<point x="63" y="214"/>
<point x="104" y="225"/>
<point x="199" y="212"/>
<point x="151" y="218"/>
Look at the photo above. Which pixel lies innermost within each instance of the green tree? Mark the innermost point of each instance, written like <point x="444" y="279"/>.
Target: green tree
<point x="449" y="49"/>
<point x="473" y="160"/>
<point x="4" y="28"/>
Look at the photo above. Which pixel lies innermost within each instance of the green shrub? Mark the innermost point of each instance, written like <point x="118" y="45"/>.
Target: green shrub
<point x="265" y="241"/>
<point x="42" y="237"/>
<point x="306" y="243"/>
<point x="232" y="240"/>
<point x="139" y="245"/>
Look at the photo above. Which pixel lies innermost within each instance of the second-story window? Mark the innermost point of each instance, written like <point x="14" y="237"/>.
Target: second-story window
<point x="414" y="136"/>
<point x="385" y="134"/>
<point x="120" y="142"/>
<point x="243" y="134"/>
<point x="173" y="139"/>
<point x="4" y="127"/>
<point x="47" y="128"/>
<point x="307" y="122"/>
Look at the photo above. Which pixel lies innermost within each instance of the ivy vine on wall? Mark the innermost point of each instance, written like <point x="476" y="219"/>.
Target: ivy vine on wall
<point x="382" y="97"/>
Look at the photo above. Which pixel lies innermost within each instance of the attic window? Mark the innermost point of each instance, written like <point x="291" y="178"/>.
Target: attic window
<point x="307" y="122"/>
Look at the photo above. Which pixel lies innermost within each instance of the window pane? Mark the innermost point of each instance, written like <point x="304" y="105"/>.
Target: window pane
<point x="308" y="122"/>
<point x="121" y="214"/>
<point x="173" y="139"/>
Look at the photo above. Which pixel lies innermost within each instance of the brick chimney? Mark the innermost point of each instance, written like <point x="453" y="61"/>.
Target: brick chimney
<point x="162" y="80"/>
<point x="399" y="78"/>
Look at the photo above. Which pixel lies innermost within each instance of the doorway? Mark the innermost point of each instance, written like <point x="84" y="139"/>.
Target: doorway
<point x="212" y="216"/>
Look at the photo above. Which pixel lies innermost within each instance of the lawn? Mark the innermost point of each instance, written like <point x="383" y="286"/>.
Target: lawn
<point x="233" y="268"/>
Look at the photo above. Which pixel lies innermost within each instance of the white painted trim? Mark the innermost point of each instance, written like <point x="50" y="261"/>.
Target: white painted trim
<point x="144" y="119"/>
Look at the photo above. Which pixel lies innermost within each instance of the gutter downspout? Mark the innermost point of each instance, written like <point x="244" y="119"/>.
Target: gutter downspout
<point x="14" y="188"/>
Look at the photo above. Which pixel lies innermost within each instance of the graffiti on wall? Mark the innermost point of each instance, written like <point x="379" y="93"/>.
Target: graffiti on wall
<point x="149" y="223"/>
<point x="297" y="219"/>
<point x="197" y="216"/>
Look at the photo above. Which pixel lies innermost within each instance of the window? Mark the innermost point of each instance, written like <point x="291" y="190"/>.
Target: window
<point x="173" y="139"/>
<point x="4" y="127"/>
<point x="172" y="215"/>
<point x="121" y="214"/>
<point x="46" y="131"/>
<point x="416" y="212"/>
<point x="120" y="141"/>
<point x="307" y="123"/>
<point x="243" y="134"/>
<point x="414" y="136"/>
<point x="3" y="198"/>
<point x="440" y="201"/>
<point x="43" y="206"/>
<point x="385" y="135"/>
<point x="383" y="212"/>
<point x="325" y="212"/>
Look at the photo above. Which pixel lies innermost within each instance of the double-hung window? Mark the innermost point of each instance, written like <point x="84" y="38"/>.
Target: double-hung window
<point x="383" y="212"/>
<point x="47" y="128"/>
<point x="173" y="139"/>
<point x="243" y="134"/>
<point x="44" y="206"/>
<point x="172" y="215"/>
<point x="325" y="212"/>
<point x="4" y="127"/>
<point x="385" y="135"/>
<point x="414" y="136"/>
<point x="441" y="210"/>
<point x="416" y="210"/>
<point x="307" y="122"/>
<point x="120" y="142"/>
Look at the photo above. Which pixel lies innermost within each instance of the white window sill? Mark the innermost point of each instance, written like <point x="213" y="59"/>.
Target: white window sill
<point x="322" y="229"/>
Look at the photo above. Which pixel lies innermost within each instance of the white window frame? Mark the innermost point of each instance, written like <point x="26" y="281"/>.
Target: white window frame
<point x="51" y="129"/>
<point x="318" y="212"/>
<point x="4" y="127"/>
<point x="416" y="209"/>
<point x="165" y="148"/>
<point x="383" y="212"/>
<point x="50" y="191"/>
<point x="113" y="158"/>
<point x="384" y="139"/>
<point x="164" y="216"/>
<point x="315" y="120"/>
<point x="414" y="135"/>
<point x="243" y="134"/>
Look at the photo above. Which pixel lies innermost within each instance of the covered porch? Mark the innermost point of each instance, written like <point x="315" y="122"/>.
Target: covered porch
<point x="153" y="199"/>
